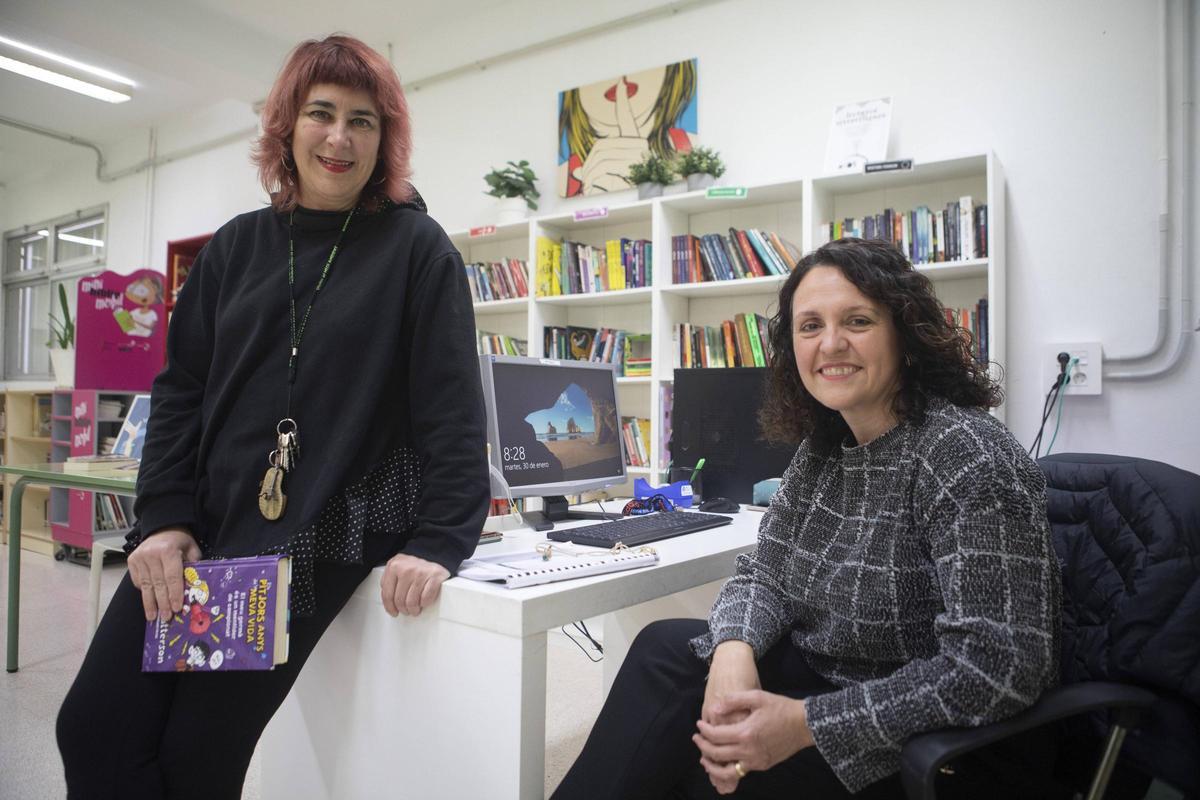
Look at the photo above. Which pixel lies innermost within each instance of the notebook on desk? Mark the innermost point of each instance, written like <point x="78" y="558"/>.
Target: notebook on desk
<point x="531" y="567"/>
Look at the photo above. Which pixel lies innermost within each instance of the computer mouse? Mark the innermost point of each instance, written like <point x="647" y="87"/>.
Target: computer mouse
<point x="720" y="505"/>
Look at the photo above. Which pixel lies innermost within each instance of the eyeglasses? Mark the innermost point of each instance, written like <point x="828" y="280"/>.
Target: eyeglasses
<point x="648" y="505"/>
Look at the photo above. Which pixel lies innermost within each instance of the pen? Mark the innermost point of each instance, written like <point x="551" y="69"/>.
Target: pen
<point x="696" y="471"/>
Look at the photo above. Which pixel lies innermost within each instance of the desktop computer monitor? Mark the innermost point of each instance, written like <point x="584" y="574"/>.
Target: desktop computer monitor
<point x="553" y="430"/>
<point x="715" y="417"/>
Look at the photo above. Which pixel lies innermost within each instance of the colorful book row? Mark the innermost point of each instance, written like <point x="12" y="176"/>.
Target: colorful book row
<point x="749" y="253"/>
<point x="740" y="342"/>
<point x="574" y="268"/>
<point x="957" y="232"/>
<point x="497" y="280"/>
<point x="573" y="343"/>
<point x="637" y="362"/>
<point x="636" y="433"/>
<point x="974" y="320"/>
<point x="500" y="345"/>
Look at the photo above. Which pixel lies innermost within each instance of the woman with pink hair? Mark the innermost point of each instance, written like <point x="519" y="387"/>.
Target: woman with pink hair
<point x="338" y="316"/>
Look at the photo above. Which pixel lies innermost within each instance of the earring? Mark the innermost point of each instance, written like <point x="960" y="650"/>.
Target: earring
<point x="908" y="362"/>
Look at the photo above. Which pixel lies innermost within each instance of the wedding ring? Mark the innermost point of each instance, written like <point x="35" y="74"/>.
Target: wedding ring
<point x="739" y="769"/>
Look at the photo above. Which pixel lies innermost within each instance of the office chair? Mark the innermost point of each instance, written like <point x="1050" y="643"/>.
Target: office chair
<point x="1127" y="535"/>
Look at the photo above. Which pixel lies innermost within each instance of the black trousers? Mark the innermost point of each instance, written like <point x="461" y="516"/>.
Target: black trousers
<point x="641" y="749"/>
<point x="133" y="735"/>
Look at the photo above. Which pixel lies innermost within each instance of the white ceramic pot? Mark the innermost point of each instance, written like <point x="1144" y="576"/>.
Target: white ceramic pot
<point x="63" y="363"/>
<point x="700" y="180"/>
<point x="646" y="190"/>
<point x="510" y="209"/>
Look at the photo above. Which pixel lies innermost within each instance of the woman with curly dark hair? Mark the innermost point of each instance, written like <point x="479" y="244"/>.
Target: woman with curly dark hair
<point x="904" y="579"/>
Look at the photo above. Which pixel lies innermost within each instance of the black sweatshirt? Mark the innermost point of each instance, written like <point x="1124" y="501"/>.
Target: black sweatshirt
<point x="387" y="362"/>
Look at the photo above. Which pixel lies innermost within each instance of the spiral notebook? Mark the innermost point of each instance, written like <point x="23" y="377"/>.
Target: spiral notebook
<point x="529" y="567"/>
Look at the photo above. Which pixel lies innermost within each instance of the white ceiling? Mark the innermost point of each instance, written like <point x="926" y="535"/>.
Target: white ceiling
<point x="189" y="54"/>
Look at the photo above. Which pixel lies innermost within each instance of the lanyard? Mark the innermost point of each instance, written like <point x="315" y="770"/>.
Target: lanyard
<point x="298" y="333"/>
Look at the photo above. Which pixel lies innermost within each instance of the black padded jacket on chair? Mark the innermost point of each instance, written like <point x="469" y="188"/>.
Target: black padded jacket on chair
<point x="1127" y="534"/>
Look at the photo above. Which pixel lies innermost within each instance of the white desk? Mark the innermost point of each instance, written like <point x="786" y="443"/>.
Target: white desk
<point x="452" y="704"/>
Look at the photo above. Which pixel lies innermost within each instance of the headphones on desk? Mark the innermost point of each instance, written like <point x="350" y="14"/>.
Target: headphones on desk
<point x="648" y="505"/>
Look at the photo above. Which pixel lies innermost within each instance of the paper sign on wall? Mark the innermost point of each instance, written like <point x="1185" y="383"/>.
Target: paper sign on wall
<point x="858" y="134"/>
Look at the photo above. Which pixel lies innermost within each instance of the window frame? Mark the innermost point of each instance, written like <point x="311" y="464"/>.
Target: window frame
<point x="53" y="273"/>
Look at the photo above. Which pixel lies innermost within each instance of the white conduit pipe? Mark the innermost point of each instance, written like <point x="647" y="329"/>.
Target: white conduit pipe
<point x="1187" y="325"/>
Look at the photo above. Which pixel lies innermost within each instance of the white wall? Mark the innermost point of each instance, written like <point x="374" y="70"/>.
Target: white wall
<point x="1063" y="92"/>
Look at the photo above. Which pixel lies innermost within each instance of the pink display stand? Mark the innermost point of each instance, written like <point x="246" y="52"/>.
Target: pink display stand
<point x="121" y="331"/>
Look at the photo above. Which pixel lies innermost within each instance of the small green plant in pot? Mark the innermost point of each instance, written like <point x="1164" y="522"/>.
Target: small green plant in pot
<point x="514" y="185"/>
<point x="62" y="342"/>
<point x="701" y="166"/>
<point x="650" y="175"/>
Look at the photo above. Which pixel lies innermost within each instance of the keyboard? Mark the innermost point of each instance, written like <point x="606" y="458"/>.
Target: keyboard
<point x="634" y="531"/>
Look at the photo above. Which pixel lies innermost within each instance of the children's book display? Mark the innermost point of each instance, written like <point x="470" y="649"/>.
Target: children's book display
<point x="121" y="331"/>
<point x="553" y="562"/>
<point x="234" y="617"/>
<point x="132" y="435"/>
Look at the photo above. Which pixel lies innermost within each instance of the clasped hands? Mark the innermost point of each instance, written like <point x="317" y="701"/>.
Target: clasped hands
<point x="409" y="584"/>
<point x="742" y="726"/>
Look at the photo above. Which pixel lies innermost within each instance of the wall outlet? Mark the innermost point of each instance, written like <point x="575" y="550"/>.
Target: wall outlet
<point x="1085" y="375"/>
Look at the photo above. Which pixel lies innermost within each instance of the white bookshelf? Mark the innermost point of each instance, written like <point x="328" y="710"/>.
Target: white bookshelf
<point x="794" y="209"/>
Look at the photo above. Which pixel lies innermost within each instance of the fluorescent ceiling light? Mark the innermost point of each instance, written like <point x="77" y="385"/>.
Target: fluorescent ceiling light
<point x="63" y="72"/>
<point x="70" y="237"/>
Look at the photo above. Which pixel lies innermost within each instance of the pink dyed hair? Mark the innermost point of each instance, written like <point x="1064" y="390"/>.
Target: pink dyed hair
<point x="342" y="61"/>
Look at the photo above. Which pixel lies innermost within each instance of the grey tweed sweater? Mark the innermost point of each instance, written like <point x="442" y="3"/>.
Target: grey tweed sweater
<point x="915" y="572"/>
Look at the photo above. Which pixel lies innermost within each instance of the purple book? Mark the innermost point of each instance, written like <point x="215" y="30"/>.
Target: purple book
<point x="235" y="616"/>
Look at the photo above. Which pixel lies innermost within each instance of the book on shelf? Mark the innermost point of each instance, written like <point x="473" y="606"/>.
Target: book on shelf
<point x="133" y="429"/>
<point x="234" y="617"/>
<point x="955" y="232"/>
<point x="975" y="322"/>
<point x="553" y="563"/>
<point x="740" y="342"/>
<point x="497" y="280"/>
<point x="637" y="360"/>
<point x="100" y="463"/>
<point x="666" y="404"/>
<point x="500" y="506"/>
<point x="500" y="344"/>
<point x="110" y="513"/>
<point x="576" y="343"/>
<point x="568" y="267"/>
<point x="636" y="433"/>
<point x="181" y="265"/>
<point x="749" y="253"/>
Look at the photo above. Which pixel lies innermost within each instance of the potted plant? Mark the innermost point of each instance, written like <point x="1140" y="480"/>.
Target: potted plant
<point x="514" y="186"/>
<point x="650" y="175"/>
<point x="701" y="166"/>
<point x="62" y="342"/>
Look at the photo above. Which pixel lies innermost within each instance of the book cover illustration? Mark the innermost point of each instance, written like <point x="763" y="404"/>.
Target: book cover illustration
<point x="234" y="617"/>
<point x="121" y="329"/>
<point x="133" y="430"/>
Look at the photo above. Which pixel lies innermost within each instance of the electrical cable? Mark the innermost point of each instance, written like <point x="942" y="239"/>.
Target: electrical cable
<point x="1061" y="396"/>
<point x="1035" y="449"/>
<point x="1047" y="408"/>
<point x="1064" y="359"/>
<point x="581" y="626"/>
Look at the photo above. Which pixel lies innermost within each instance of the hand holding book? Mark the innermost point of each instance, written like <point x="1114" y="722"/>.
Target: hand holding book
<point x="233" y="616"/>
<point x="156" y="568"/>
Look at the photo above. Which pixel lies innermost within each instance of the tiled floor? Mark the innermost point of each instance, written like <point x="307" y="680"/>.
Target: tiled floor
<point x="53" y="629"/>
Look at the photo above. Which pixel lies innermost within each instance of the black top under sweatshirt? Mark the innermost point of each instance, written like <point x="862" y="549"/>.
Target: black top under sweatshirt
<point x="387" y="374"/>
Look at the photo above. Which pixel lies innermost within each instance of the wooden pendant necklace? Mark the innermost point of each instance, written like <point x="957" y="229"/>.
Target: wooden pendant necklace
<point x="272" y="500"/>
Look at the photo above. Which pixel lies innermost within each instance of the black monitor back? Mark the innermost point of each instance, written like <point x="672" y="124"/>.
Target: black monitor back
<point x="715" y="417"/>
